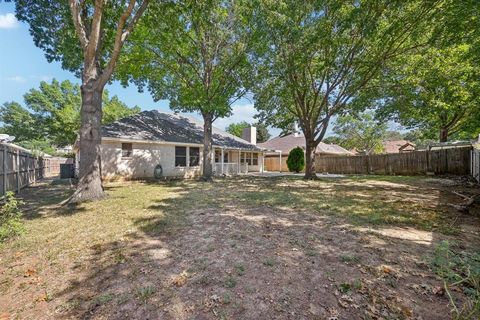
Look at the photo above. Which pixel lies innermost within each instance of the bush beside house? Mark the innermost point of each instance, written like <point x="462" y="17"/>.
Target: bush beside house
<point x="296" y="160"/>
<point x="10" y="217"/>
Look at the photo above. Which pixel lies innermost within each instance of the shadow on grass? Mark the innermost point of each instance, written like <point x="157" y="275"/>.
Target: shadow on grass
<point x="248" y="248"/>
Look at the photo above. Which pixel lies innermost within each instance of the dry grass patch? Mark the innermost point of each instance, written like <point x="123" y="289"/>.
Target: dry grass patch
<point x="251" y="247"/>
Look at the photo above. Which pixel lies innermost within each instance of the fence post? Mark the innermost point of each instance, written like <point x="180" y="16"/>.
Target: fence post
<point x="18" y="171"/>
<point x="34" y="173"/>
<point x="4" y="166"/>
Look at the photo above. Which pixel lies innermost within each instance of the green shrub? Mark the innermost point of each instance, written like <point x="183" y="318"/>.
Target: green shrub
<point x="459" y="269"/>
<point x="10" y="217"/>
<point x="296" y="160"/>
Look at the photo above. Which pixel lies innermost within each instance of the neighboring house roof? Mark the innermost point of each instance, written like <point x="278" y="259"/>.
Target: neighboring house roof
<point x="396" y="146"/>
<point x="287" y="143"/>
<point x="166" y="127"/>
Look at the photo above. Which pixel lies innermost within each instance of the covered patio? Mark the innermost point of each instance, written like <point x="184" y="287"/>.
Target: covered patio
<point x="234" y="161"/>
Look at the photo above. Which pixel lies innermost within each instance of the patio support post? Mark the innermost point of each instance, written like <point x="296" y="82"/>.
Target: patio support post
<point x="213" y="160"/>
<point x="221" y="161"/>
<point x="280" y="161"/>
<point x="263" y="162"/>
<point x="239" y="159"/>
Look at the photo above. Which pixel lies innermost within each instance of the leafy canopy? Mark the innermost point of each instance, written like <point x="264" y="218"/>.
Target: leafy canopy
<point x="320" y="58"/>
<point x="194" y="55"/>
<point x="436" y="90"/>
<point x="52" y="115"/>
<point x="237" y="130"/>
<point x="361" y="132"/>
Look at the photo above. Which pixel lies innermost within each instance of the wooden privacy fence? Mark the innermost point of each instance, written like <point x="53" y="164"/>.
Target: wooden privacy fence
<point x="475" y="164"/>
<point x="19" y="168"/>
<point x="444" y="161"/>
<point x="273" y="163"/>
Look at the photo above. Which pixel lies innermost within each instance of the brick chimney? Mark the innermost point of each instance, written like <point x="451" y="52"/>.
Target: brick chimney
<point x="250" y="134"/>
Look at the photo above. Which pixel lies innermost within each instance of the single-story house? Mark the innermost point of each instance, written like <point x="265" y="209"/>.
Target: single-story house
<point x="152" y="143"/>
<point x="280" y="147"/>
<point x="398" y="146"/>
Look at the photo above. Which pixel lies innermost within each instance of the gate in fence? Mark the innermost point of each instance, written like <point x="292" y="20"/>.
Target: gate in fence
<point x="20" y="168"/>
<point x="475" y="164"/>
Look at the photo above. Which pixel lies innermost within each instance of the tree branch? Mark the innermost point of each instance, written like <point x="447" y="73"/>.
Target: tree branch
<point x="78" y="23"/>
<point x="120" y="37"/>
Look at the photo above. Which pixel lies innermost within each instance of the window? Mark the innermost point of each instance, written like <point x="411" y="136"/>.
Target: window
<point x="242" y="157"/>
<point x="255" y="159"/>
<point x="194" y="156"/>
<point x="218" y="156"/>
<point x="127" y="150"/>
<point x="180" y="156"/>
<point x="248" y="157"/>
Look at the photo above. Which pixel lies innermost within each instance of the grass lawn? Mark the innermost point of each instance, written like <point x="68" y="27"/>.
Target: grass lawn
<point x="237" y="248"/>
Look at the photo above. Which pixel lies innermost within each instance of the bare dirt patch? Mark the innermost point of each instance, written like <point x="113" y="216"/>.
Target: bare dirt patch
<point x="240" y="248"/>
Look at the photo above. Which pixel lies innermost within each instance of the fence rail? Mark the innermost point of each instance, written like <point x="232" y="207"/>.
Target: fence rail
<point x="444" y="161"/>
<point x="19" y="169"/>
<point x="475" y="164"/>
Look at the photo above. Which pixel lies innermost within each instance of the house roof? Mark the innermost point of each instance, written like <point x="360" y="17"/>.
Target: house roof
<point x="395" y="146"/>
<point x="166" y="127"/>
<point x="287" y="143"/>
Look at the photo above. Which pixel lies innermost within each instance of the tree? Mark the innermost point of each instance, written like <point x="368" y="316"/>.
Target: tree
<point x="296" y="160"/>
<point x="19" y="122"/>
<point x="194" y="56"/>
<point x="391" y="135"/>
<point x="316" y="59"/>
<point x="87" y="37"/>
<point x="52" y="115"/>
<point x="237" y="130"/>
<point x="361" y="132"/>
<point x="262" y="132"/>
<point x="436" y="91"/>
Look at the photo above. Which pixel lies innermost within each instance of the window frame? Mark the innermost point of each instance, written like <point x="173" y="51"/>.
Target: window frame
<point x="180" y="156"/>
<point x="248" y="157"/>
<point x="255" y="159"/>
<point x="190" y="157"/>
<point x="127" y="153"/>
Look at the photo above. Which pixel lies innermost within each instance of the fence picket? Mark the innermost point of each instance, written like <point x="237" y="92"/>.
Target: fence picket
<point x="446" y="161"/>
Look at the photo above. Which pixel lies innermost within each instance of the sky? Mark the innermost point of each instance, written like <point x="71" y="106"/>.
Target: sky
<point x="23" y="66"/>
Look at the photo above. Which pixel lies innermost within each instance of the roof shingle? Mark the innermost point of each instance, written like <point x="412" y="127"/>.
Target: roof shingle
<point x="158" y="126"/>
<point x="287" y="143"/>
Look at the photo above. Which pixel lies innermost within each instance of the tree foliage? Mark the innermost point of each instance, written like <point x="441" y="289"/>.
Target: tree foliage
<point x="87" y="36"/>
<point x="296" y="160"/>
<point x="195" y="56"/>
<point x="52" y="115"/>
<point x="361" y="132"/>
<point x="237" y="130"/>
<point x="436" y="91"/>
<point x="320" y="58"/>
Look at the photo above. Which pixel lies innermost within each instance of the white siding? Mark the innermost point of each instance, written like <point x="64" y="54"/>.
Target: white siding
<point x="142" y="163"/>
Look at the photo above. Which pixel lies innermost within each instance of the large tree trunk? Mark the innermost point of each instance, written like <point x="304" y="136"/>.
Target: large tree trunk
<point x="89" y="186"/>
<point x="443" y="136"/>
<point x="207" y="147"/>
<point x="310" y="158"/>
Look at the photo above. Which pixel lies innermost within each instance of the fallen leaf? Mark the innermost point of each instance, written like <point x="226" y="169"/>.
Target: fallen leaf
<point x="181" y="279"/>
<point x="29" y="273"/>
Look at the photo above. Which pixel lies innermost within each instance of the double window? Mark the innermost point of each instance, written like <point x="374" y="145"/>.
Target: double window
<point x="250" y="158"/>
<point x="181" y="156"/>
<point x="127" y="150"/>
